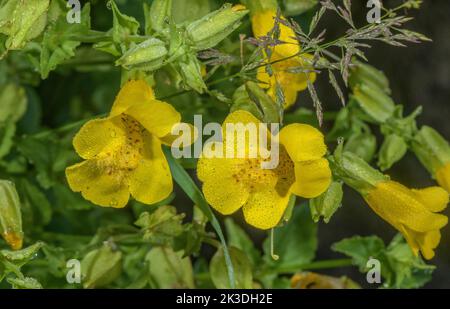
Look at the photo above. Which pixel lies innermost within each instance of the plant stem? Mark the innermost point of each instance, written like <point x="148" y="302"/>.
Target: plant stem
<point x="316" y="265"/>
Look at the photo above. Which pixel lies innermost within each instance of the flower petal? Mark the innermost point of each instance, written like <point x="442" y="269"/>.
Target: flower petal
<point x="312" y="178"/>
<point x="264" y="209"/>
<point x="133" y="92"/>
<point x="155" y="116"/>
<point x="264" y="21"/>
<point x="182" y="128"/>
<point x="96" y="185"/>
<point x="97" y="134"/>
<point x="211" y="168"/>
<point x="443" y="176"/>
<point x="226" y="195"/>
<point x="151" y="181"/>
<point x="303" y="142"/>
<point x="434" y="198"/>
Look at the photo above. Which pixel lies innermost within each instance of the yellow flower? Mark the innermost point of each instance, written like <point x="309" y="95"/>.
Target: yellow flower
<point x="412" y="212"/>
<point x="443" y="176"/>
<point x="263" y="194"/>
<point x="290" y="82"/>
<point x="123" y="152"/>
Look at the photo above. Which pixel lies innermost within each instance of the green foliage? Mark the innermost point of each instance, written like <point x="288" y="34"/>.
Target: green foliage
<point x="400" y="268"/>
<point x="200" y="57"/>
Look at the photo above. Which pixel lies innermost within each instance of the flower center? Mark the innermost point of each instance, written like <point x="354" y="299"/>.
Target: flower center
<point x="125" y="154"/>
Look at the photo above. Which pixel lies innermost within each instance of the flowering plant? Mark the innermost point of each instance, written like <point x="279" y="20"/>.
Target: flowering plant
<point x="103" y="162"/>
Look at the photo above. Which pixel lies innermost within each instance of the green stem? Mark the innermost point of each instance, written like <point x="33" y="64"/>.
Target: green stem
<point x="315" y="265"/>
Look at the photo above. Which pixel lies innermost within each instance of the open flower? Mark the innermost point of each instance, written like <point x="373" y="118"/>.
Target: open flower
<point x="123" y="152"/>
<point x="291" y="74"/>
<point x="443" y="176"/>
<point x="412" y="212"/>
<point x="263" y="194"/>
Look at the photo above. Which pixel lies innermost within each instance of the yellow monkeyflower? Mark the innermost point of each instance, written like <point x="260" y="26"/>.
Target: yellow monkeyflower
<point x="412" y="212"/>
<point x="292" y="74"/>
<point x="443" y="176"/>
<point x="123" y="152"/>
<point x="263" y="194"/>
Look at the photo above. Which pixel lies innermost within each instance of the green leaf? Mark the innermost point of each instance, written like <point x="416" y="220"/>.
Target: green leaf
<point x="23" y="21"/>
<point x="21" y="257"/>
<point x="60" y="38"/>
<point x="239" y="239"/>
<point x="295" y="243"/>
<point x="400" y="268"/>
<point x="169" y="269"/>
<point x="39" y="202"/>
<point x="241" y="264"/>
<point x="7" y="132"/>
<point x="24" y="283"/>
<point x="186" y="183"/>
<point x="360" y="249"/>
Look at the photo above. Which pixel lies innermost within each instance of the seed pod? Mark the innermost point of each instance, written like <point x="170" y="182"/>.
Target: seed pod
<point x="10" y="215"/>
<point x="362" y="73"/>
<point x="374" y="102"/>
<point x="363" y="144"/>
<point x="191" y="71"/>
<point x="392" y="150"/>
<point x="327" y="203"/>
<point x="148" y="56"/>
<point x="211" y="29"/>
<point x="159" y="11"/>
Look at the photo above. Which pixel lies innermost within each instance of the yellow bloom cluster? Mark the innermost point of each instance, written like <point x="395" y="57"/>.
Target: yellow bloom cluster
<point x="123" y="152"/>
<point x="412" y="212"/>
<point x="286" y="57"/>
<point x="263" y="194"/>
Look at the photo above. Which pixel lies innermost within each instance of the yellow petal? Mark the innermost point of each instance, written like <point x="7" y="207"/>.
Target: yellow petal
<point x="151" y="181"/>
<point x="133" y="92"/>
<point x="226" y="195"/>
<point x="429" y="242"/>
<point x="182" y="128"/>
<point x="263" y="22"/>
<point x="155" y="116"/>
<point x="97" y="134"/>
<point x="264" y="209"/>
<point x="96" y="185"/>
<point x="312" y="178"/>
<point x="443" y="176"/>
<point x="210" y="168"/>
<point x="303" y="142"/>
<point x="433" y="198"/>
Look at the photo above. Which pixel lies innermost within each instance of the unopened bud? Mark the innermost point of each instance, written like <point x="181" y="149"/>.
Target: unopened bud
<point x="377" y="104"/>
<point x="148" y="55"/>
<point x="10" y="215"/>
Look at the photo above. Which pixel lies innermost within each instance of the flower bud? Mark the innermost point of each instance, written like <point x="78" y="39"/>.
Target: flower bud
<point x="191" y="71"/>
<point x="211" y="29"/>
<point x="100" y="267"/>
<point x="327" y="203"/>
<point x="270" y="110"/>
<point x="10" y="215"/>
<point x="377" y="104"/>
<point x="241" y="101"/>
<point x="148" y="55"/>
<point x="392" y="150"/>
